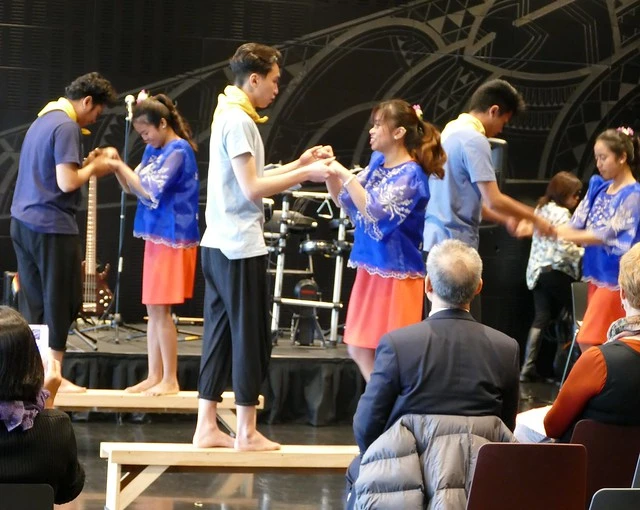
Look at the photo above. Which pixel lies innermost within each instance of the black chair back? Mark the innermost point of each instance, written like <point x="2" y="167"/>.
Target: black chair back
<point x="616" y="499"/>
<point x="636" y="476"/>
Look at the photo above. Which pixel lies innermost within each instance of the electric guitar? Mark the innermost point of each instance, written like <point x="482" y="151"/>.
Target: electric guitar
<point x="96" y="293"/>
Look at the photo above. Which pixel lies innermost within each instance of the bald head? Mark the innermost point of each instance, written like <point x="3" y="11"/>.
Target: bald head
<point x="455" y="272"/>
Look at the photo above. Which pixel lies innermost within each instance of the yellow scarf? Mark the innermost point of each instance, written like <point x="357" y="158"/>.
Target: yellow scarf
<point x="65" y="105"/>
<point x="465" y="120"/>
<point x="234" y="97"/>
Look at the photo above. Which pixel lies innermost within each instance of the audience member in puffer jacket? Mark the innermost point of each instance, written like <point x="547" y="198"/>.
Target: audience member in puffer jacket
<point x="425" y="461"/>
<point x="448" y="364"/>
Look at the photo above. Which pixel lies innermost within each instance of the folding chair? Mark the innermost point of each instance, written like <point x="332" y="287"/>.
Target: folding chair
<point x="579" y="301"/>
<point x="26" y="496"/>
<point x="636" y="476"/>
<point x="616" y="499"/>
<point x="529" y="477"/>
<point x="612" y="453"/>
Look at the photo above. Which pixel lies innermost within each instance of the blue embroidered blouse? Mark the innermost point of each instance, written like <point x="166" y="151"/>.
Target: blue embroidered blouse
<point x="612" y="218"/>
<point x="388" y="242"/>
<point x="169" y="175"/>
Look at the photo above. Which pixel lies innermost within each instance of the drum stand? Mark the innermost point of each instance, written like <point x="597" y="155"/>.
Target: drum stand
<point x="335" y="305"/>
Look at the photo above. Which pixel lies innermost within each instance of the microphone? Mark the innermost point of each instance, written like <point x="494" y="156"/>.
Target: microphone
<point x="129" y="102"/>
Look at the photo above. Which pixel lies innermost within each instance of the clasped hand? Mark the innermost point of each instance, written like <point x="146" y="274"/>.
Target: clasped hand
<point x="317" y="162"/>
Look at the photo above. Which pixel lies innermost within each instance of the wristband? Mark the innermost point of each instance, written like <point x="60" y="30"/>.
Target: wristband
<point x="346" y="183"/>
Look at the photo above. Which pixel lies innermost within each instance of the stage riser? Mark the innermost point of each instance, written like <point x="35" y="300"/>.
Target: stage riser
<point x="302" y="390"/>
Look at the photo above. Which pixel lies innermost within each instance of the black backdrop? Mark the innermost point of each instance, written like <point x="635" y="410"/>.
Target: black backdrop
<point x="577" y="64"/>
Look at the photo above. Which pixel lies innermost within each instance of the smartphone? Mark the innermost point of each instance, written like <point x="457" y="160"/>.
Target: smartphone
<point x="41" y="334"/>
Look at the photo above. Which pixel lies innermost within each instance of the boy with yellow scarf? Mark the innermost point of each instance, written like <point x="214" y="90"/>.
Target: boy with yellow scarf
<point x="236" y="335"/>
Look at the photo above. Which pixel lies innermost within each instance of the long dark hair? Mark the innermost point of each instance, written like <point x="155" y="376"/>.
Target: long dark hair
<point x="21" y="370"/>
<point x="561" y="188"/>
<point x="158" y="107"/>
<point x="620" y="142"/>
<point x="421" y="139"/>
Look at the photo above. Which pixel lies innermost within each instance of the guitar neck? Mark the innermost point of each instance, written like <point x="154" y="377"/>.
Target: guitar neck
<point x="92" y="216"/>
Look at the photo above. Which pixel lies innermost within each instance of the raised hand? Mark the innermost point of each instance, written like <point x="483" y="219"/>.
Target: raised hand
<point x="110" y="152"/>
<point x="315" y="153"/>
<point x="320" y="170"/>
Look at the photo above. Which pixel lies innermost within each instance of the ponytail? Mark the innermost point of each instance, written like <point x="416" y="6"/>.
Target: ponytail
<point x="159" y="107"/>
<point x="429" y="153"/>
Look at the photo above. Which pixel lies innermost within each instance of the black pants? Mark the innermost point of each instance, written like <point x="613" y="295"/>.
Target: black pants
<point x="551" y="295"/>
<point x="236" y="339"/>
<point x="49" y="270"/>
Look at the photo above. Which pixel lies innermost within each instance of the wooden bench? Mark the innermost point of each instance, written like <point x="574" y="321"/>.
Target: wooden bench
<point x="121" y="401"/>
<point x="143" y="463"/>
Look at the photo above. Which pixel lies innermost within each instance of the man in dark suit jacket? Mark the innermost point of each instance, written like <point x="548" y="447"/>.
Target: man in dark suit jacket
<point x="446" y="364"/>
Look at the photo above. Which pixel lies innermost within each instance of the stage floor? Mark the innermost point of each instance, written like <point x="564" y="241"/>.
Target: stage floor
<point x="131" y="339"/>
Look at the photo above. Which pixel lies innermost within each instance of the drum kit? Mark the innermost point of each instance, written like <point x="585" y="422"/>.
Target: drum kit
<point x="305" y="328"/>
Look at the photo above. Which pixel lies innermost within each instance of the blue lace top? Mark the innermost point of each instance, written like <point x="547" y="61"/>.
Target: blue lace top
<point x="612" y="218"/>
<point x="169" y="175"/>
<point x="388" y="242"/>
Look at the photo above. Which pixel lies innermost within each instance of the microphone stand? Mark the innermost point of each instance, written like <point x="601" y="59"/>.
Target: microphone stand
<point x="116" y="320"/>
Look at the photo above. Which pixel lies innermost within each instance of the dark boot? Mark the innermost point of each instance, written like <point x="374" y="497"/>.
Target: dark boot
<point x="528" y="372"/>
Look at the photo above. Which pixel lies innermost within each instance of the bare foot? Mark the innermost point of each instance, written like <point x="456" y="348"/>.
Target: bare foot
<point x="142" y="386"/>
<point x="66" y="386"/>
<point x="255" y="442"/>
<point x="163" y="388"/>
<point x="212" y="438"/>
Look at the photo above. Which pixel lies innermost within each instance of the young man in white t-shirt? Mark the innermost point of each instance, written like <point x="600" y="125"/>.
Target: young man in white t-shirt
<point x="236" y="338"/>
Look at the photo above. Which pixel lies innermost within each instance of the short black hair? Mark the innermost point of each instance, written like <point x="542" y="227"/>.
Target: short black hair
<point x="497" y="92"/>
<point x="21" y="370"/>
<point x="94" y="85"/>
<point x="253" y="58"/>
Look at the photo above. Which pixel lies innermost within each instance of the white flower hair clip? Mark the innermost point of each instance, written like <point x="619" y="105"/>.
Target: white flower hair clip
<point x="142" y="95"/>
<point x="418" y="110"/>
<point x="626" y="131"/>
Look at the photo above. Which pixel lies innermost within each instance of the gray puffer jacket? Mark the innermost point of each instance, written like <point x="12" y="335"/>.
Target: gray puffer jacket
<point x="425" y="461"/>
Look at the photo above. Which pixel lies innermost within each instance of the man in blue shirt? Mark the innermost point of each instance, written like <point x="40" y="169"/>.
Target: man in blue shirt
<point x="468" y="192"/>
<point x="44" y="230"/>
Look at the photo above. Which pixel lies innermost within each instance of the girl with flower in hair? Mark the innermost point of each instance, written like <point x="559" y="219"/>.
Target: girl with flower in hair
<point x="386" y="202"/>
<point x="606" y="222"/>
<point x="166" y="184"/>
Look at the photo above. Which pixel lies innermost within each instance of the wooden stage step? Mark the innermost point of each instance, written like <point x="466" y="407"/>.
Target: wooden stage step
<point x="120" y="401"/>
<point x="142" y="463"/>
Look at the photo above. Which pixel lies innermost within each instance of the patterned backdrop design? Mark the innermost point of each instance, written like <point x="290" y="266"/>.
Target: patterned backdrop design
<point x="577" y="62"/>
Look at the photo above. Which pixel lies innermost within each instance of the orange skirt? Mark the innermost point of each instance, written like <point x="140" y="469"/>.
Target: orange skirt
<point x="168" y="274"/>
<point x="378" y="305"/>
<point x="603" y="308"/>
